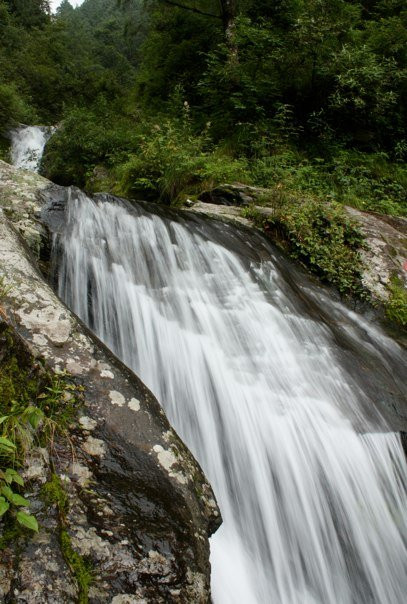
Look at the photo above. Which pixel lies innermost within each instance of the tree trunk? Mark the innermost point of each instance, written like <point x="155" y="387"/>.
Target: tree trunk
<point x="229" y="9"/>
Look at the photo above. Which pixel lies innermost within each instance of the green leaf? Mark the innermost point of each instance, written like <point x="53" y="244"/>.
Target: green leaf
<point x="3" y="418"/>
<point x="12" y="475"/>
<point x="27" y="520"/>
<point x="18" y="500"/>
<point x="35" y="416"/>
<point x="14" y="498"/>
<point x="8" y="493"/>
<point x="4" y="506"/>
<point x="6" y="443"/>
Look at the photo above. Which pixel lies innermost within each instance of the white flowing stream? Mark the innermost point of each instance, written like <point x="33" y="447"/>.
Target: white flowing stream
<point x="27" y="145"/>
<point x="310" y="481"/>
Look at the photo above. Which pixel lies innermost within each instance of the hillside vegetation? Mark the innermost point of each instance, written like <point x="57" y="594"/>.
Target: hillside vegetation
<point x="161" y="101"/>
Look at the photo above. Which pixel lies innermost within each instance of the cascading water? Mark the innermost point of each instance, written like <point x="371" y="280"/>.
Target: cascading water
<point x="310" y="482"/>
<point x="27" y="145"/>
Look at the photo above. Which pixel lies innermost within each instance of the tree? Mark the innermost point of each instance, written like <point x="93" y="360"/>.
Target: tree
<point x="30" y="13"/>
<point x="226" y="14"/>
<point x="229" y="12"/>
<point x="65" y="9"/>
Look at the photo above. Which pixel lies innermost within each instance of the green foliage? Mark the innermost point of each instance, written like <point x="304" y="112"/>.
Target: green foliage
<point x="366" y="181"/>
<point x="172" y="159"/>
<point x="30" y="413"/>
<point x="315" y="100"/>
<point x="396" y="308"/>
<point x="12" y="108"/>
<point x="53" y="493"/>
<point x="27" y="520"/>
<point x="317" y="233"/>
<point x="10" y="500"/>
<point x="49" y="64"/>
<point x="173" y="52"/>
<point x="87" y="138"/>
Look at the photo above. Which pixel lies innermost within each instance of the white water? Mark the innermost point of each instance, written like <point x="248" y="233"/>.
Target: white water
<point x="314" y="512"/>
<point x="27" y="145"/>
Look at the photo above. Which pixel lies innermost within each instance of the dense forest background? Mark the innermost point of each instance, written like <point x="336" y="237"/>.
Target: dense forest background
<point x="159" y="99"/>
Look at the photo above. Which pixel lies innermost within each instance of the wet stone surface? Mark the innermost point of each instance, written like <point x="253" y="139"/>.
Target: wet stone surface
<point x="138" y="508"/>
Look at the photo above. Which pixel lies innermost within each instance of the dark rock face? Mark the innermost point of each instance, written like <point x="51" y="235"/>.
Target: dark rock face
<point x="231" y="195"/>
<point x="139" y="508"/>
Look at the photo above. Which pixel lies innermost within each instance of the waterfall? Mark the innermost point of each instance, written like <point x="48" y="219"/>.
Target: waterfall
<point x="27" y="145"/>
<point x="271" y="384"/>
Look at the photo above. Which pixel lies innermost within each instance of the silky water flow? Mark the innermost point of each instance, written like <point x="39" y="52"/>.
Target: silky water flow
<point x="260" y="372"/>
<point x="27" y="145"/>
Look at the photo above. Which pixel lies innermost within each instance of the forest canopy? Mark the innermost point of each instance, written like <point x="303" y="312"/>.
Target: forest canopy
<point x="159" y="99"/>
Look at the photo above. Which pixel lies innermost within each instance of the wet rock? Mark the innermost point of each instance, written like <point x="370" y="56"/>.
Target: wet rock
<point x="138" y="508"/>
<point x="235" y="194"/>
<point x="43" y="575"/>
<point x="385" y="253"/>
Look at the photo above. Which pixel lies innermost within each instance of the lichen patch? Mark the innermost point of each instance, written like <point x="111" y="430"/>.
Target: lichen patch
<point x="106" y="373"/>
<point x="167" y="459"/>
<point x="74" y="367"/>
<point x="117" y="398"/>
<point x="128" y="599"/>
<point x="88" y="542"/>
<point x="49" y="321"/>
<point x="82" y="474"/>
<point x="39" y="340"/>
<point x="87" y="423"/>
<point x="134" y="404"/>
<point x="94" y="447"/>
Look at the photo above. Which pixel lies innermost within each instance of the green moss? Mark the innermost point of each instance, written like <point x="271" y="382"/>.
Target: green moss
<point x="81" y="569"/>
<point x="16" y="383"/>
<point x="32" y="397"/>
<point x="396" y="308"/>
<point x="53" y="493"/>
<point x="10" y="534"/>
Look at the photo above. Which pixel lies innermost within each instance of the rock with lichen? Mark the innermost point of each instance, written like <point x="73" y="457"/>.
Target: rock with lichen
<point x="124" y="509"/>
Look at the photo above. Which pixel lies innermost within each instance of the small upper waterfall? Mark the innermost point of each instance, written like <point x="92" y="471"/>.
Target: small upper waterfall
<point x="27" y="145"/>
<point x="272" y="386"/>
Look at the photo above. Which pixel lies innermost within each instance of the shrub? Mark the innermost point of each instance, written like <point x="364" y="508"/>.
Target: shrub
<point x="12" y="108"/>
<point x="33" y="410"/>
<point x="317" y="233"/>
<point x="172" y="159"/>
<point x="396" y="308"/>
<point x="88" y="137"/>
<point x="366" y="181"/>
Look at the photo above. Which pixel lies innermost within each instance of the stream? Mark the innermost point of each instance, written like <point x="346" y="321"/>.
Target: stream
<point x="28" y="144"/>
<point x="284" y="395"/>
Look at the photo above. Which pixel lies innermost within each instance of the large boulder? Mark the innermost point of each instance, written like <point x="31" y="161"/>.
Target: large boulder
<point x="384" y="256"/>
<point x="137" y="508"/>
